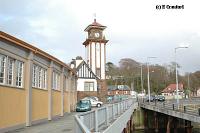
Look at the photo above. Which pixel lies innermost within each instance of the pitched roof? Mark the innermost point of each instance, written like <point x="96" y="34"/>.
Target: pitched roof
<point x="95" y="24"/>
<point x="172" y="87"/>
<point x="83" y="65"/>
<point x="6" y="37"/>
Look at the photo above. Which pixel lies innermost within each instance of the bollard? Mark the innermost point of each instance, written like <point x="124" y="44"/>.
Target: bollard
<point x="184" y="108"/>
<point x="173" y="106"/>
<point x="199" y="111"/>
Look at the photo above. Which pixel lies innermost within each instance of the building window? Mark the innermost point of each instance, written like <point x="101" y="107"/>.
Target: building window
<point x="34" y="80"/>
<point x="56" y="81"/>
<point x="89" y="86"/>
<point x="9" y="66"/>
<point x="2" y="68"/>
<point x="39" y="77"/>
<point x="19" y="73"/>
<point x="10" y="71"/>
<point x="44" y="79"/>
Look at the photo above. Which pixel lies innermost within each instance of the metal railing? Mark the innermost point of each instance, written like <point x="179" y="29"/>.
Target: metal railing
<point x="99" y="119"/>
<point x="189" y="106"/>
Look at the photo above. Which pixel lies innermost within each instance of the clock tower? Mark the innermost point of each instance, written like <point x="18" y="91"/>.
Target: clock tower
<point x="95" y="47"/>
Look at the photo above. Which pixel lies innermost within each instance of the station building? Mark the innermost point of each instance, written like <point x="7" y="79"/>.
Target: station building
<point x="34" y="86"/>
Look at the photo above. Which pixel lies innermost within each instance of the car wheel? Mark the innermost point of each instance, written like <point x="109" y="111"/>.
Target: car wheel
<point x="98" y="105"/>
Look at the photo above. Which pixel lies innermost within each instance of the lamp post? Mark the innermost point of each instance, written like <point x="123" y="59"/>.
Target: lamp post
<point x="177" y="99"/>
<point x="142" y="87"/>
<point x="148" y="83"/>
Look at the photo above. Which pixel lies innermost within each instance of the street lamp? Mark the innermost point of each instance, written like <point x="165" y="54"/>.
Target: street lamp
<point x="142" y="87"/>
<point x="148" y="83"/>
<point x="177" y="99"/>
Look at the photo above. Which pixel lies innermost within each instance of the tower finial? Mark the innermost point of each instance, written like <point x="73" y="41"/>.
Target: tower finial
<point x="94" y="17"/>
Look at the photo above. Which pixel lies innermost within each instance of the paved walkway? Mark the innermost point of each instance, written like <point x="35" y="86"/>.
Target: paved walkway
<point x="61" y="125"/>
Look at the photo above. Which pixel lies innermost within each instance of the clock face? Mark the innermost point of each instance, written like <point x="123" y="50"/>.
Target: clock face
<point x="96" y="34"/>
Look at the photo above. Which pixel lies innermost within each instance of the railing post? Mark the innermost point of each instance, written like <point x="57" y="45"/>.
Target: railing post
<point x="163" y="104"/>
<point x="173" y="106"/>
<point x="121" y="107"/>
<point x="81" y="118"/>
<point x="184" y="108"/>
<point x="118" y="109"/>
<point x="96" y="120"/>
<point x="199" y="111"/>
<point x="124" y="105"/>
<point x="107" y="116"/>
<point x="113" y="113"/>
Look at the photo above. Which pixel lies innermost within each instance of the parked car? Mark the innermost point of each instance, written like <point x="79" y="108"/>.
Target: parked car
<point x="160" y="98"/>
<point x="152" y="98"/>
<point x="94" y="102"/>
<point x="95" y="98"/>
<point x="83" y="105"/>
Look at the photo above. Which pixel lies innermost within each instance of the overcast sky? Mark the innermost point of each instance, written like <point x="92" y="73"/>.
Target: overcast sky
<point x="135" y="29"/>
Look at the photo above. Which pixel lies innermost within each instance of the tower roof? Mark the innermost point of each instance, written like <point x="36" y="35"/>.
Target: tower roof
<point x="95" y="24"/>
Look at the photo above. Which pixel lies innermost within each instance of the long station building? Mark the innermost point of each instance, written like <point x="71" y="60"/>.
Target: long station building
<point x="34" y="86"/>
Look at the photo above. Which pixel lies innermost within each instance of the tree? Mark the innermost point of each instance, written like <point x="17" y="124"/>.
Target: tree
<point x="161" y="76"/>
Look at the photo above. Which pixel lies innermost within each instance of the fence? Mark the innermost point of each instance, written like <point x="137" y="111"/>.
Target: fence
<point x="189" y="106"/>
<point x="99" y="119"/>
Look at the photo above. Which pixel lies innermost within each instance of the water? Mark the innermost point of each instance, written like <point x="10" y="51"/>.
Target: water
<point x="194" y="130"/>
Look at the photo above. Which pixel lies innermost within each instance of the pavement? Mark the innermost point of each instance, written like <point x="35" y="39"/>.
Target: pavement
<point x="63" y="124"/>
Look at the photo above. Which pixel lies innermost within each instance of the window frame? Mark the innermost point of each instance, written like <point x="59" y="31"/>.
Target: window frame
<point x="39" y="77"/>
<point x="19" y="74"/>
<point x="56" y="80"/>
<point x="10" y="61"/>
<point x="89" y="86"/>
<point x="3" y="61"/>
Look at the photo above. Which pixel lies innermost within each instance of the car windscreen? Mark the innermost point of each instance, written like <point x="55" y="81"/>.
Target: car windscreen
<point x="83" y="102"/>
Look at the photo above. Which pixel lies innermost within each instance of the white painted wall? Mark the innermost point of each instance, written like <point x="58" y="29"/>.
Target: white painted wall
<point x="78" y="62"/>
<point x="93" y="58"/>
<point x="102" y="61"/>
<point x="98" y="55"/>
<point x="88" y="54"/>
<point x="80" y="84"/>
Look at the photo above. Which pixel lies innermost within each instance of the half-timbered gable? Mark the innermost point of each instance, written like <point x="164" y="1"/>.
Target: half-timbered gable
<point x="83" y="71"/>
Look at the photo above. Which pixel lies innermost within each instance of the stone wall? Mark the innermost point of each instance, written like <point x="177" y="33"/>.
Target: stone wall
<point x="103" y="91"/>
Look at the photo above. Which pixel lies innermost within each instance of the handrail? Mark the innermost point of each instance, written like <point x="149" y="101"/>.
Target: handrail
<point x="99" y="119"/>
<point x="189" y="106"/>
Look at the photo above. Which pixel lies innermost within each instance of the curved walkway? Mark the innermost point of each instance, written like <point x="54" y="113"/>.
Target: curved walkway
<point x="63" y="124"/>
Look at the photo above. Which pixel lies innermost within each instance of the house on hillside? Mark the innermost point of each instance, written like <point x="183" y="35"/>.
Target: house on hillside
<point x="170" y="90"/>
